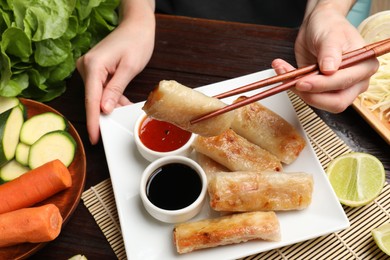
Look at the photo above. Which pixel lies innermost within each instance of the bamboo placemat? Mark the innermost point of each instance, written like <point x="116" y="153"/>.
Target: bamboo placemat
<point x="354" y="242"/>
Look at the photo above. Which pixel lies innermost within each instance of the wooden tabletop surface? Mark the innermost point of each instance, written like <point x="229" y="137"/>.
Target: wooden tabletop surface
<point x="194" y="52"/>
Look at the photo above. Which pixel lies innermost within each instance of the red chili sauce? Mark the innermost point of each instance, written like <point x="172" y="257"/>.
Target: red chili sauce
<point x="161" y="136"/>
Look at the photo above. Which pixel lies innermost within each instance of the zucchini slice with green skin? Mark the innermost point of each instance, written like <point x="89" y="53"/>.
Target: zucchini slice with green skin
<point x="12" y="170"/>
<point x="7" y="103"/>
<point x="38" y="125"/>
<point x="53" y="145"/>
<point x="21" y="154"/>
<point x="24" y="109"/>
<point x="11" y="122"/>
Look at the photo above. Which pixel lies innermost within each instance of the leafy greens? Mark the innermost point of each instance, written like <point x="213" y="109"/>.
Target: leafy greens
<point x="42" y="39"/>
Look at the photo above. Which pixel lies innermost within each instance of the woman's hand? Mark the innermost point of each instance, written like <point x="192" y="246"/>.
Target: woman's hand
<point x="109" y="66"/>
<point x="323" y="37"/>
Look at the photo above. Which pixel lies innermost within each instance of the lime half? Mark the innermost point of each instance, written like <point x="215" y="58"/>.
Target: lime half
<point x="381" y="237"/>
<point x="357" y="178"/>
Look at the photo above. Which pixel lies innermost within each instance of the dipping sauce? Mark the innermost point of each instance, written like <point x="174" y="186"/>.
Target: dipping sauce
<point x="173" y="186"/>
<point x="162" y="136"/>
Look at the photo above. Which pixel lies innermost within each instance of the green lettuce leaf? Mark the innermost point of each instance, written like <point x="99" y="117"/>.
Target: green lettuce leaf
<point x="16" y="43"/>
<point x="42" y="39"/>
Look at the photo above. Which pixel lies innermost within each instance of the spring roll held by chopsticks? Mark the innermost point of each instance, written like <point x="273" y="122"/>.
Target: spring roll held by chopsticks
<point x="253" y="191"/>
<point x="268" y="130"/>
<point x="236" y="153"/>
<point x="175" y="103"/>
<point x="226" y="230"/>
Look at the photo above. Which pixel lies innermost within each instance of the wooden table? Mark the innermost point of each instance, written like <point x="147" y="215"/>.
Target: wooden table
<point x="194" y="52"/>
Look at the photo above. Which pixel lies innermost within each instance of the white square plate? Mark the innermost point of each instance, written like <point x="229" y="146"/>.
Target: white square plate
<point x="146" y="238"/>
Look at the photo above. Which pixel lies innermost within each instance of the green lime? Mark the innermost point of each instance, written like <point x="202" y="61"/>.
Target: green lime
<point x="381" y="237"/>
<point x="356" y="178"/>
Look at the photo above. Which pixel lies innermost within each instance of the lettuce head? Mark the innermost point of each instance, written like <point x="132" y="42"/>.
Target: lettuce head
<point x="42" y="39"/>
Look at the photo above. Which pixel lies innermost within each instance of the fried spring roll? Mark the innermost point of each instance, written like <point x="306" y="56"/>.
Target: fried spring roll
<point x="236" y="153"/>
<point x="268" y="130"/>
<point x="175" y="103"/>
<point x="252" y="191"/>
<point x="231" y="229"/>
<point x="209" y="165"/>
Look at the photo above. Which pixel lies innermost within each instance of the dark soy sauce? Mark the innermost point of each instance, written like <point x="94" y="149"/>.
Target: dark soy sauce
<point x="173" y="186"/>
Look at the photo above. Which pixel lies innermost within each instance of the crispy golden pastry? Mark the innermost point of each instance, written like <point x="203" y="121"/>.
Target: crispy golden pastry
<point x="231" y="229"/>
<point x="268" y="130"/>
<point x="253" y="191"/>
<point x="175" y="103"/>
<point x="209" y="165"/>
<point x="236" y="153"/>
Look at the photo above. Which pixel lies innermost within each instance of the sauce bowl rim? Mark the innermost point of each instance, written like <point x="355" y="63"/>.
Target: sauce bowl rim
<point x="153" y="153"/>
<point x="167" y="160"/>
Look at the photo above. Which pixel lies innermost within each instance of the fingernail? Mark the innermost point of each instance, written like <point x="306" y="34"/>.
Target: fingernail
<point x="281" y="70"/>
<point x="303" y="86"/>
<point x="108" y="106"/>
<point x="328" y="64"/>
<point x="90" y="140"/>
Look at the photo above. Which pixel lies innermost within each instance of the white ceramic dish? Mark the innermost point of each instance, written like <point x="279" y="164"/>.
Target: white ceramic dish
<point x="147" y="238"/>
<point x="152" y="155"/>
<point x="182" y="214"/>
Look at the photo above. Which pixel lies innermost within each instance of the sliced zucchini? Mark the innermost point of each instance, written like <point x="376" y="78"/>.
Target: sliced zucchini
<point x="21" y="154"/>
<point x="11" y="170"/>
<point x="24" y="109"/>
<point x="53" y="145"/>
<point x="7" y="103"/>
<point x="78" y="257"/>
<point x="11" y="122"/>
<point x="40" y="124"/>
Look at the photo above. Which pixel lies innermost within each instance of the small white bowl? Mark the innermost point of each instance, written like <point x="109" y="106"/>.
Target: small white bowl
<point x="180" y="214"/>
<point x="152" y="155"/>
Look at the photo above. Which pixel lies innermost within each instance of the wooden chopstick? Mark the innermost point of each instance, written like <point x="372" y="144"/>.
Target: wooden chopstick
<point x="292" y="74"/>
<point x="369" y="51"/>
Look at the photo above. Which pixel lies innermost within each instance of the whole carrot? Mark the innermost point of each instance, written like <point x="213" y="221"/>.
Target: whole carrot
<point x="34" y="186"/>
<point x="34" y="225"/>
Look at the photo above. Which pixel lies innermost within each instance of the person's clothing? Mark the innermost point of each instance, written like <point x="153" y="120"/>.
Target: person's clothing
<point x="286" y="13"/>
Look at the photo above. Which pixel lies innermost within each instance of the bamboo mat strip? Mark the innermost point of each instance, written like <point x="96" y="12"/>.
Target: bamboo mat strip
<point x="354" y="242"/>
<point x="100" y="202"/>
